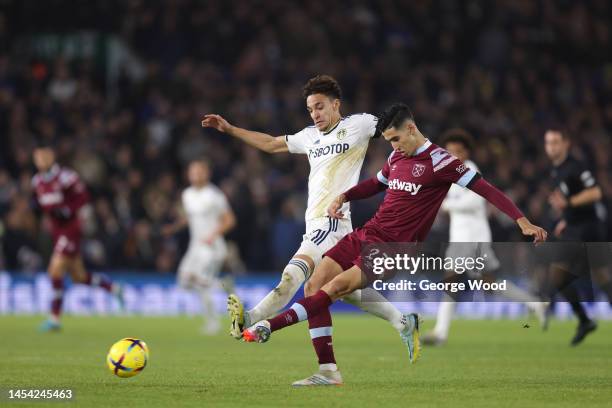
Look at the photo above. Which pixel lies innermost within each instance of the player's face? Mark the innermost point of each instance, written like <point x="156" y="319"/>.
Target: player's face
<point x="323" y="110"/>
<point x="198" y="174"/>
<point x="555" y="145"/>
<point x="403" y="140"/>
<point x="458" y="150"/>
<point x="43" y="158"/>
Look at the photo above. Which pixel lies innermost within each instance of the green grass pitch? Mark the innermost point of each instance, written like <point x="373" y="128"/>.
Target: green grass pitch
<point x="486" y="364"/>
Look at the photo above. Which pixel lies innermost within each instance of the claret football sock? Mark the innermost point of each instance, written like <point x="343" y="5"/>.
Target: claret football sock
<point x="299" y="311"/>
<point x="57" y="298"/>
<point x="320" y="327"/>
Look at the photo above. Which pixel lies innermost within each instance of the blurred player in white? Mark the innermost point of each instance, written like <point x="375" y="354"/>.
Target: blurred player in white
<point x="336" y="149"/>
<point x="206" y="210"/>
<point x="470" y="236"/>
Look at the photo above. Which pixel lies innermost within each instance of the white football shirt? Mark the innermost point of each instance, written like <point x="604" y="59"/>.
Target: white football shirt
<point x="203" y="208"/>
<point x="468" y="213"/>
<point x="335" y="158"/>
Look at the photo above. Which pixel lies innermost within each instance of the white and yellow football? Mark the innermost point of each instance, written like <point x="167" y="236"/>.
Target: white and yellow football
<point x="127" y="357"/>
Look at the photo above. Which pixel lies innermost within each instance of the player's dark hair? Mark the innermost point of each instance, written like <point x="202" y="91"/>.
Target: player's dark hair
<point x="41" y="143"/>
<point x="201" y="161"/>
<point x="560" y="130"/>
<point x="322" y="84"/>
<point x="457" y="135"/>
<point x="393" y="117"/>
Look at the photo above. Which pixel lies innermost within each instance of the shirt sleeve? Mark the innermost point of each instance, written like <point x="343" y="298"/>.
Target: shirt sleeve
<point x="368" y="125"/>
<point x="222" y="203"/>
<point x="452" y="170"/>
<point x="297" y="142"/>
<point x="74" y="189"/>
<point x="587" y="180"/>
<point x="383" y="174"/>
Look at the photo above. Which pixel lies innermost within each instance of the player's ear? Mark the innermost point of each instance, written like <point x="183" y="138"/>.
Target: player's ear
<point x="410" y="127"/>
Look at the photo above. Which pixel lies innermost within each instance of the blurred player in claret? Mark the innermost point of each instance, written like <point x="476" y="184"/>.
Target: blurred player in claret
<point x="206" y="210"/>
<point x="416" y="177"/>
<point x="60" y="194"/>
<point x="576" y="199"/>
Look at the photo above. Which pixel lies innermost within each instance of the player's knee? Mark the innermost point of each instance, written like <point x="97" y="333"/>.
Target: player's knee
<point x="294" y="274"/>
<point x="184" y="282"/>
<point x="338" y="287"/>
<point x="310" y="288"/>
<point x="291" y="280"/>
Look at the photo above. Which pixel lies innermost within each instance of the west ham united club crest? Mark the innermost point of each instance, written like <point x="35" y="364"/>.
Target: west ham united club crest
<point x="418" y="170"/>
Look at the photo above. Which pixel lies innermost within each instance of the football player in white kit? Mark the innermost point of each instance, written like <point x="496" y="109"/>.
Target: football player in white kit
<point x="470" y="236"/>
<point x="206" y="210"/>
<point x="336" y="148"/>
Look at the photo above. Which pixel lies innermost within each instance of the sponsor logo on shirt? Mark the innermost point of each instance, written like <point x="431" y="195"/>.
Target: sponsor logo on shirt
<point x="412" y="188"/>
<point x="51" y="198"/>
<point x="337" y="148"/>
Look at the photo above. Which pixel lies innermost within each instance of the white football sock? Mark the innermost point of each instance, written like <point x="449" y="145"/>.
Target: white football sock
<point x="328" y="367"/>
<point x="515" y="293"/>
<point x="377" y="305"/>
<point x="294" y="275"/>
<point x="443" y="320"/>
<point x="208" y="303"/>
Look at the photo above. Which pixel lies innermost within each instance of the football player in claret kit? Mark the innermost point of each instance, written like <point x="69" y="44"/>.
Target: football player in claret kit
<point x="209" y="216"/>
<point x="416" y="177"/>
<point x="59" y="193"/>
<point x="336" y="148"/>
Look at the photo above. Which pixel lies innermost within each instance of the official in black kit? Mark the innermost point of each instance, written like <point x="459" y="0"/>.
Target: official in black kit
<point x="577" y="202"/>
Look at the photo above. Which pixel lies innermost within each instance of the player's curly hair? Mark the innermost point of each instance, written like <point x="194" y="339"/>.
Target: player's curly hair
<point x="323" y="84"/>
<point x="457" y="135"/>
<point x="393" y="117"/>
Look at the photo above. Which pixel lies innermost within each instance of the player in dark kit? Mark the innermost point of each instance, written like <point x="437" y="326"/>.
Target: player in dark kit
<point x="60" y="193"/>
<point x="577" y="200"/>
<point x="416" y="178"/>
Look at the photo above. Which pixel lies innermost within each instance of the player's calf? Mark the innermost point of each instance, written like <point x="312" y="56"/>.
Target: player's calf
<point x="294" y="275"/>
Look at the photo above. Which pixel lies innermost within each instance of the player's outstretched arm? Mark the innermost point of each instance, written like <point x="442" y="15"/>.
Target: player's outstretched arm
<point x="261" y="141"/>
<point x="481" y="187"/>
<point x="365" y="189"/>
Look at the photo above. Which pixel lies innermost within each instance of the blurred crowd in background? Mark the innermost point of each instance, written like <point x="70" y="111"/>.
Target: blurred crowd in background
<point x="125" y="111"/>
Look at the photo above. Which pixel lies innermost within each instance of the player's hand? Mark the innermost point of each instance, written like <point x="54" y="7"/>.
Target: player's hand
<point x="216" y="122"/>
<point x="334" y="208"/>
<point x="561" y="225"/>
<point x="527" y="228"/>
<point x="557" y="200"/>
<point x="209" y="240"/>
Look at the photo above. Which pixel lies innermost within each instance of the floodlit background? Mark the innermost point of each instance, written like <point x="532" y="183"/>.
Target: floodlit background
<point x="119" y="88"/>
